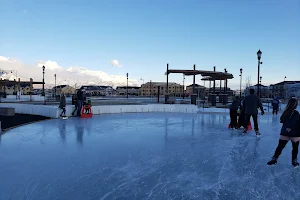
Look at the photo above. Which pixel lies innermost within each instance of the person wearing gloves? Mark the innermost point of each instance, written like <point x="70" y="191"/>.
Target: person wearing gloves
<point x="250" y="104"/>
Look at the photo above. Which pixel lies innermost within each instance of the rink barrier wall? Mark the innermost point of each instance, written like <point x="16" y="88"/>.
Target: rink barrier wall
<point x="54" y="112"/>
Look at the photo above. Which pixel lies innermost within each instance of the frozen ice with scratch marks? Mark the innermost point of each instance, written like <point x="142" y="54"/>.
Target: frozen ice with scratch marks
<point x="144" y="156"/>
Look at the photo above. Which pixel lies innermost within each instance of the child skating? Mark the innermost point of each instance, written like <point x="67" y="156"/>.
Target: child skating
<point x="290" y="130"/>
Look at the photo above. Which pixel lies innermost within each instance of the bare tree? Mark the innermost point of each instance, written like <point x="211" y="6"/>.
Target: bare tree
<point x="248" y="82"/>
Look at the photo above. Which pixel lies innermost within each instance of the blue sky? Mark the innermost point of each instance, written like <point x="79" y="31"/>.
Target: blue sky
<point x="145" y="35"/>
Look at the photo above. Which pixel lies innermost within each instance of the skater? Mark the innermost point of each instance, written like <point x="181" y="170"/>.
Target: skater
<point x="87" y="107"/>
<point x="75" y="104"/>
<point x="234" y="112"/>
<point x="62" y="105"/>
<point x="241" y="121"/>
<point x="290" y="130"/>
<point x="250" y="105"/>
<point x="275" y="105"/>
<point x="79" y="102"/>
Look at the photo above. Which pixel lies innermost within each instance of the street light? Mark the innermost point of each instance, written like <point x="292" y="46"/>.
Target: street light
<point x="142" y="80"/>
<point x="43" y="92"/>
<point x="183" y="93"/>
<point x="241" y="75"/>
<point x="127" y="86"/>
<point x="260" y="80"/>
<point x="258" y="73"/>
<point x="55" y="85"/>
<point x="284" y="88"/>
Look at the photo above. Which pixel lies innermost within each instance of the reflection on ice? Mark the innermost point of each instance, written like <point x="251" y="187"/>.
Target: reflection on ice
<point x="144" y="156"/>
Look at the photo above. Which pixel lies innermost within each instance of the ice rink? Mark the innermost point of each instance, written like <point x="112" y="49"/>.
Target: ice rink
<point x="144" y="156"/>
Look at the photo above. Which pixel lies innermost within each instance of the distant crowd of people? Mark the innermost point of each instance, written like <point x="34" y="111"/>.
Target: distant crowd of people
<point x="290" y="119"/>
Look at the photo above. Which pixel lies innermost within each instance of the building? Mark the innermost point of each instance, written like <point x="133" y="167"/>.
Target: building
<point x="132" y="90"/>
<point x="65" y="89"/>
<point x="94" y="90"/>
<point x="285" y="89"/>
<point x="292" y="90"/>
<point x="264" y="91"/>
<point x="199" y="90"/>
<point x="219" y="90"/>
<point x="151" y="89"/>
<point x="11" y="89"/>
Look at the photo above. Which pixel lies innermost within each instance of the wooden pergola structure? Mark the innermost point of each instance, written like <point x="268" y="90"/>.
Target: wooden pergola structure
<point x="207" y="76"/>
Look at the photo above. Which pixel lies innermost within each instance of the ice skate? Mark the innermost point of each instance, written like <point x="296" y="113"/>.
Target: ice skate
<point x="272" y="162"/>
<point x="257" y="133"/>
<point x="295" y="163"/>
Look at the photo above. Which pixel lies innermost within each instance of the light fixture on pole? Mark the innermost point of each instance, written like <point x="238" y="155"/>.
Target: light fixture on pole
<point x="260" y="85"/>
<point x="241" y="78"/>
<point x="183" y="93"/>
<point x="127" y="85"/>
<point x="43" y="92"/>
<point x="142" y="80"/>
<point x="55" y="85"/>
<point x="284" y="88"/>
<point x="258" y="71"/>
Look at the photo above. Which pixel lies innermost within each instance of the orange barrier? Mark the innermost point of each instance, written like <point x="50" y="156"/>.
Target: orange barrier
<point x="86" y="111"/>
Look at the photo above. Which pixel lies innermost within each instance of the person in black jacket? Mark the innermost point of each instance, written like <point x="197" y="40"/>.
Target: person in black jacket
<point x="234" y="112"/>
<point x="290" y="130"/>
<point x="79" y="101"/>
<point x="250" y="105"/>
<point x="62" y="105"/>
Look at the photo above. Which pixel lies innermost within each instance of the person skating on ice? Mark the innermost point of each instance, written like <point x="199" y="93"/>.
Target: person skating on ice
<point x="62" y="105"/>
<point x="290" y="130"/>
<point x="234" y="112"/>
<point x="250" y="104"/>
<point x="79" y="101"/>
<point x="275" y="105"/>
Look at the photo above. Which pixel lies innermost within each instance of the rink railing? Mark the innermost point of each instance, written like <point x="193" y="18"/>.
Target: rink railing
<point x="54" y="112"/>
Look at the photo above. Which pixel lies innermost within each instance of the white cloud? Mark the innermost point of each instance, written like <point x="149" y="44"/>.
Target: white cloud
<point x="73" y="75"/>
<point x="51" y="65"/>
<point x="6" y="59"/>
<point x="115" y="63"/>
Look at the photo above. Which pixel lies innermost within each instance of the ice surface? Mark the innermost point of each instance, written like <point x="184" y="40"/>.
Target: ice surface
<point x="144" y="156"/>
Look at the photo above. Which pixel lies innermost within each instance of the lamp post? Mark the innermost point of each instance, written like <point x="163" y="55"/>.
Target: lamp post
<point x="284" y="88"/>
<point x="258" y="73"/>
<point x="241" y="78"/>
<point x="142" y="86"/>
<point x="260" y="86"/>
<point x="127" y="85"/>
<point x="150" y="89"/>
<point x="43" y="92"/>
<point x="183" y="93"/>
<point x="143" y="80"/>
<point x="55" y="85"/>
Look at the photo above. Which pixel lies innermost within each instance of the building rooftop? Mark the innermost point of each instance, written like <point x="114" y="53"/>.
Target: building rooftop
<point x="59" y="86"/>
<point x="285" y="82"/>
<point x="94" y="87"/>
<point x="129" y="87"/>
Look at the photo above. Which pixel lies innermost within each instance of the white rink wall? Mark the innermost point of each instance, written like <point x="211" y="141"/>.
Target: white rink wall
<point x="54" y="111"/>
